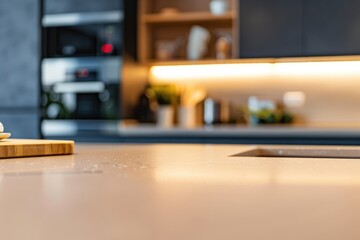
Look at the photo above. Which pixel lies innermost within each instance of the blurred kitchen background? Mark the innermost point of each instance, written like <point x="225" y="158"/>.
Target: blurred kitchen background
<point x="181" y="71"/>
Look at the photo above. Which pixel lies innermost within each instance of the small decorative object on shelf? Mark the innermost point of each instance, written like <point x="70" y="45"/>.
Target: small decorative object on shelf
<point x="199" y="39"/>
<point x="223" y="48"/>
<point x="169" y="11"/>
<point x="219" y="7"/>
<point x="168" y="50"/>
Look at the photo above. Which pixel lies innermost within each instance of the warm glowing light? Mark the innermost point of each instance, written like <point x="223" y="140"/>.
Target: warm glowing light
<point x="235" y="71"/>
<point x="209" y="71"/>
<point x="318" y="68"/>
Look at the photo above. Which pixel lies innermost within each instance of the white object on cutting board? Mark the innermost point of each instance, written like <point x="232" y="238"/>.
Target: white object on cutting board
<point x="2" y="134"/>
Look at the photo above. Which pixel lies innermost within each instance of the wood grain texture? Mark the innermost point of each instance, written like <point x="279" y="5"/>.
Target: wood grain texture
<point x="186" y="17"/>
<point x="14" y="148"/>
<point x="153" y="26"/>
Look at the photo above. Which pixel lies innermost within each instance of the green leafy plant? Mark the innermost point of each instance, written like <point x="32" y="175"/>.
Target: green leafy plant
<point x="266" y="116"/>
<point x="165" y="94"/>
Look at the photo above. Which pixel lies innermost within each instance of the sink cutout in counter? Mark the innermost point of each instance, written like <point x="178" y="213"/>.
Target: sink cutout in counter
<point x="302" y="152"/>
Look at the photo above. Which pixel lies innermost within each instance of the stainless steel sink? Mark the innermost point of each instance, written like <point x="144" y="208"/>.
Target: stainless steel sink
<point x="302" y="152"/>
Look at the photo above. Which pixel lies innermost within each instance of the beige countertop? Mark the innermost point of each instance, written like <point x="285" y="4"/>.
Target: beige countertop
<point x="178" y="192"/>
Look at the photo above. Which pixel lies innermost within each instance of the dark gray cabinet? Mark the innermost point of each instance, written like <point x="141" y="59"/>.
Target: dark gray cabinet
<point x="19" y="67"/>
<point x="69" y="6"/>
<point x="291" y="28"/>
<point x="270" y="28"/>
<point x="331" y="27"/>
<point x="19" y="53"/>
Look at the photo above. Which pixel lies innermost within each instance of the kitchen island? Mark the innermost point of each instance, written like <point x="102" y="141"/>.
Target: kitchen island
<point x="178" y="192"/>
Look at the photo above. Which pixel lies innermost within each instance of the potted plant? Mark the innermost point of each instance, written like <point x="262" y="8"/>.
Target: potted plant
<point x="165" y="96"/>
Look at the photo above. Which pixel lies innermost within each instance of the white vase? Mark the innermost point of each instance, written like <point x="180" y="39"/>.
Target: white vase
<point x="218" y="7"/>
<point x="165" y="116"/>
<point x="187" y="117"/>
<point x="199" y="39"/>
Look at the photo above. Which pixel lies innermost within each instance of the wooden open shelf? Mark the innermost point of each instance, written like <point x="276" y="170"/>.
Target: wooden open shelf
<point x="212" y="61"/>
<point x="155" y="26"/>
<point x="354" y="58"/>
<point x="186" y="17"/>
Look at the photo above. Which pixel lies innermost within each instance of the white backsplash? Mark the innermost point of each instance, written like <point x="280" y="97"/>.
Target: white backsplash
<point x="332" y="90"/>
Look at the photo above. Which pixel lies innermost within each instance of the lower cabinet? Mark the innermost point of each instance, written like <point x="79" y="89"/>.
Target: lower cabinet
<point x="19" y="54"/>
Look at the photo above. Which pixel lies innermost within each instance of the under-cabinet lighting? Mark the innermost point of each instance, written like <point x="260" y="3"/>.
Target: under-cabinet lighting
<point x="318" y="68"/>
<point x="209" y="71"/>
<point x="234" y="71"/>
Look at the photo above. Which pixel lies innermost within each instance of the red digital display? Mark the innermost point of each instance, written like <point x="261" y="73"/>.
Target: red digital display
<point x="107" y="48"/>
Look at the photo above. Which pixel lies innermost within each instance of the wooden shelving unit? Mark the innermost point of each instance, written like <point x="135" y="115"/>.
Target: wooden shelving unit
<point x="194" y="17"/>
<point x="214" y="61"/>
<point x="155" y="26"/>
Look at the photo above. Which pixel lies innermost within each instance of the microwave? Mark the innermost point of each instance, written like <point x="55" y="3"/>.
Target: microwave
<point x="82" y="35"/>
<point x="83" y="40"/>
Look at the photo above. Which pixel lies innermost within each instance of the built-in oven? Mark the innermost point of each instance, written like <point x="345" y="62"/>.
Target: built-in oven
<point x="81" y="88"/>
<point x="81" y="71"/>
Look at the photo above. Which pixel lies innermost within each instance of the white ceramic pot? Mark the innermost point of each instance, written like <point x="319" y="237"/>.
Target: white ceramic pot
<point x="218" y="7"/>
<point x="187" y="117"/>
<point x="199" y="39"/>
<point x="165" y="116"/>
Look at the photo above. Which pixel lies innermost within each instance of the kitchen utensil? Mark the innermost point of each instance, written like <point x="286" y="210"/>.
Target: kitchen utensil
<point x="215" y="112"/>
<point x="190" y="97"/>
<point x="187" y="116"/>
<point x="165" y="116"/>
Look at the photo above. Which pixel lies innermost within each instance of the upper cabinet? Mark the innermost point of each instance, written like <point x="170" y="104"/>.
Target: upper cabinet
<point x="331" y="27"/>
<point x="292" y="28"/>
<point x="270" y="28"/>
<point x="256" y="28"/>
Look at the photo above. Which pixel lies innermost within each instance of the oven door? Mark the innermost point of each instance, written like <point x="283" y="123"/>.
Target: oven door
<point x="83" y="40"/>
<point x="82" y="100"/>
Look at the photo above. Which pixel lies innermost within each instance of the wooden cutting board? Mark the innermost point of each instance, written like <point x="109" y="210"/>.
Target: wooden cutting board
<point x="12" y="148"/>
